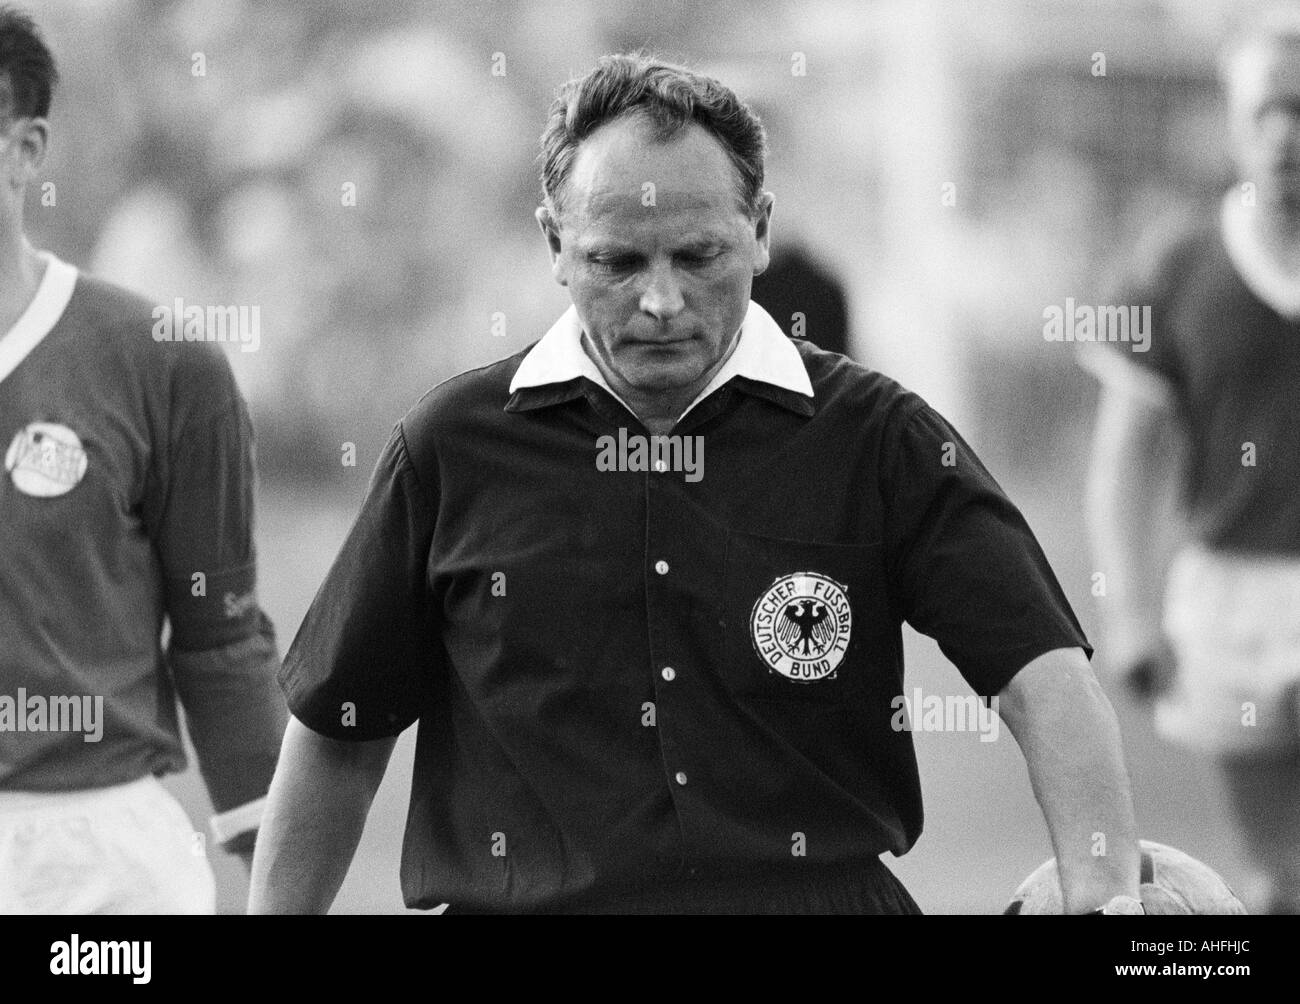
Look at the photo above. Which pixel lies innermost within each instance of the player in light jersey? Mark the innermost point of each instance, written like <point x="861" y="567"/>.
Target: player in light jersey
<point x="126" y="502"/>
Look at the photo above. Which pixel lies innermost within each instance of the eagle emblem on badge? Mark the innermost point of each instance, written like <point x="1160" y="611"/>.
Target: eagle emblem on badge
<point x="801" y="625"/>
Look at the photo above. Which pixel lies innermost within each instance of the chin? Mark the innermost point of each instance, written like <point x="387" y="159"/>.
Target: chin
<point x="663" y="378"/>
<point x="659" y="381"/>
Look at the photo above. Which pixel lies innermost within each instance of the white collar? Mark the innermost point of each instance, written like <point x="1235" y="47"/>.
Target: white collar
<point x="762" y="353"/>
<point x="1257" y="268"/>
<point x="41" y="315"/>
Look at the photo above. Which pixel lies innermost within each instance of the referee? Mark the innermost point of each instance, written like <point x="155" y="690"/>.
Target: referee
<point x="661" y="674"/>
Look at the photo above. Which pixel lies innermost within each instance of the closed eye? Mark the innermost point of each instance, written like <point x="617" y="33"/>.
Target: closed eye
<point x="626" y="263"/>
<point x="698" y="257"/>
<point x="612" y="263"/>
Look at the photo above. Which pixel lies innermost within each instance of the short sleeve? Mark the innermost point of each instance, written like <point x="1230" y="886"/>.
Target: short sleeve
<point x="361" y="664"/>
<point x="964" y="564"/>
<point x="1150" y="366"/>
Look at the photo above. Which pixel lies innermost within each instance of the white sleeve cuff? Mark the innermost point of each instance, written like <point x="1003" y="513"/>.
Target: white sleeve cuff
<point x="1118" y="374"/>
<point x="226" y="826"/>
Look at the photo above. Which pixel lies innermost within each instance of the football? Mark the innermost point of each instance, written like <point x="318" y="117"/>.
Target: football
<point x="1172" y="883"/>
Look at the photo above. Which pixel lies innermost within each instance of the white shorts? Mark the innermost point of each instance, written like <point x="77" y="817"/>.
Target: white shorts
<point x="1234" y="623"/>
<point x="129" y="848"/>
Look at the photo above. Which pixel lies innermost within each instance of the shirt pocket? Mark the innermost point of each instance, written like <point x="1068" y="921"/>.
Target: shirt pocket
<point x="803" y="621"/>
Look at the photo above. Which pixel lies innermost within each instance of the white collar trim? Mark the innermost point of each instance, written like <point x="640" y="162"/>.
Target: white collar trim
<point x="42" y="314"/>
<point x="1266" y="279"/>
<point x="762" y="352"/>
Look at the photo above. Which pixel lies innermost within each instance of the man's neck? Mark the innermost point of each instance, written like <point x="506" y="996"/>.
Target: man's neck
<point x="21" y="271"/>
<point x="658" y="411"/>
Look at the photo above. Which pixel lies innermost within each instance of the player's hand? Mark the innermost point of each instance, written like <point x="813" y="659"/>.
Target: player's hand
<point x="1151" y="675"/>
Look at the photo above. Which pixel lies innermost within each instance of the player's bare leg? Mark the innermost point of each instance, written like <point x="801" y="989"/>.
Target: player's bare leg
<point x="1264" y="792"/>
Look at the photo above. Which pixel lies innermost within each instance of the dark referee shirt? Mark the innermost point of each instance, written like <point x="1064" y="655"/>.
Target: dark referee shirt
<point x="633" y="679"/>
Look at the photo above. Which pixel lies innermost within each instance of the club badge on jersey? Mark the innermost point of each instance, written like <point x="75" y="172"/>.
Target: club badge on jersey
<point x="801" y="626"/>
<point x="45" y="460"/>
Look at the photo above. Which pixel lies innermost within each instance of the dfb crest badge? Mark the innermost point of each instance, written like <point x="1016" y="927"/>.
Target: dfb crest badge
<point x="801" y="625"/>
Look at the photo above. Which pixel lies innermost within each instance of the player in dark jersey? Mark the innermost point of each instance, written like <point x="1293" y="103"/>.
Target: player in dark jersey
<point x="805" y="298"/>
<point x="126" y="504"/>
<point x="1196" y="476"/>
<point x="670" y="682"/>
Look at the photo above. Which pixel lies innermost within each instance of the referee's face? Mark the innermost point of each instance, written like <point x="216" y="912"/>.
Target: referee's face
<point x="657" y="255"/>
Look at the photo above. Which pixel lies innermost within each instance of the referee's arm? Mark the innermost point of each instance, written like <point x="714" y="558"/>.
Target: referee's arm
<point x="315" y="813"/>
<point x="1070" y="738"/>
<point x="358" y="673"/>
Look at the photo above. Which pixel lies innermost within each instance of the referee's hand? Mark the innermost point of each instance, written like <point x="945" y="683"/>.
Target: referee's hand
<point x="1151" y="675"/>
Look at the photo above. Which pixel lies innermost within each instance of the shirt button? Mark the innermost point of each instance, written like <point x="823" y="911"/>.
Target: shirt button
<point x="661" y="466"/>
<point x="681" y="777"/>
<point x="669" y="673"/>
<point x="661" y="567"/>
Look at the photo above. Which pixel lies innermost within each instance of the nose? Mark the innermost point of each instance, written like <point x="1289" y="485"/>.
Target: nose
<point x="661" y="297"/>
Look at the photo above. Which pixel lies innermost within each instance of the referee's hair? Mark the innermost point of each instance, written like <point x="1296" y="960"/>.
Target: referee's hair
<point x="27" y="72"/>
<point x="671" y="97"/>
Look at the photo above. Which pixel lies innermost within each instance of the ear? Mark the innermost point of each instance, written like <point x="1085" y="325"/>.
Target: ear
<point x="550" y="227"/>
<point x="32" y="138"/>
<point x="763" y="232"/>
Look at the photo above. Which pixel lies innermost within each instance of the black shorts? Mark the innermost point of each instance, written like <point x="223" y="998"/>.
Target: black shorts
<point x="865" y="887"/>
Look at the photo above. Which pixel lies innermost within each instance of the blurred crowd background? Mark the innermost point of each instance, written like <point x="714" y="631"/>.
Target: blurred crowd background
<point x="957" y="167"/>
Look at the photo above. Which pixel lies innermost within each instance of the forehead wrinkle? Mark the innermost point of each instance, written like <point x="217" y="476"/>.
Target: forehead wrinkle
<point x="627" y="207"/>
<point x="619" y="158"/>
<point x="607" y="191"/>
<point x="636" y="226"/>
<point x="676" y="212"/>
